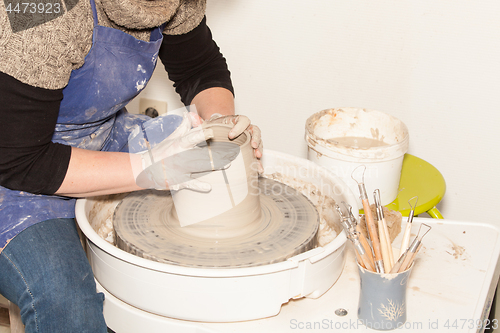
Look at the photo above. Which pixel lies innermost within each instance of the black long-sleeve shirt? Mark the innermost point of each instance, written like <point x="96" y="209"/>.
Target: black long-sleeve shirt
<point x="30" y="161"/>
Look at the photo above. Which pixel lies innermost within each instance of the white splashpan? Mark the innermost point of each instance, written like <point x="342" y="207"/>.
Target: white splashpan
<point x="212" y="294"/>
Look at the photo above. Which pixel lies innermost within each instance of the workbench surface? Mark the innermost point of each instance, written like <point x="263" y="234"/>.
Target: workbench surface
<point x="451" y="288"/>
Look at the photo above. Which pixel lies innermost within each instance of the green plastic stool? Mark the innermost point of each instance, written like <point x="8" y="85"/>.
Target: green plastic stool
<point x="419" y="178"/>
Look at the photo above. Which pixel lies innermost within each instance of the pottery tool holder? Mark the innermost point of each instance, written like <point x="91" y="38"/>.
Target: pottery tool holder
<point x="381" y="249"/>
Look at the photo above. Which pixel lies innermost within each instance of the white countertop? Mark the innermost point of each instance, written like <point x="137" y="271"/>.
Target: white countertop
<point x="450" y="289"/>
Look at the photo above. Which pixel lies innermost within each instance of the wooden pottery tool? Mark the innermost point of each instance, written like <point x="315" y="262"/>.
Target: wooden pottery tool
<point x="414" y="247"/>
<point x="360" y="251"/>
<point x="398" y="263"/>
<point x="413" y="255"/>
<point x="370" y="223"/>
<point x="406" y="236"/>
<point x="383" y="232"/>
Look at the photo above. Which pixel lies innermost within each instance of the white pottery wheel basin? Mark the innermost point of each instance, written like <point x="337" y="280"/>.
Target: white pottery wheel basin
<point x="229" y="294"/>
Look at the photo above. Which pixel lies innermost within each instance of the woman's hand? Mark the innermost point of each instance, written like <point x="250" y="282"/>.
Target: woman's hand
<point x="241" y="123"/>
<point x="169" y="161"/>
<point x="216" y="105"/>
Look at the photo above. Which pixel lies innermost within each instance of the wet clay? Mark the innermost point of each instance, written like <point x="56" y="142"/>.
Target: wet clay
<point x="225" y="213"/>
<point x="458" y="251"/>
<point x="329" y="226"/>
<point x="287" y="227"/>
<point x="103" y="208"/>
<point x="253" y="222"/>
<point x="392" y="218"/>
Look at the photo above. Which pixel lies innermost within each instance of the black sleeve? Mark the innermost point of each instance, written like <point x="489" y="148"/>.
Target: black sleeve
<point x="194" y="62"/>
<point x="29" y="160"/>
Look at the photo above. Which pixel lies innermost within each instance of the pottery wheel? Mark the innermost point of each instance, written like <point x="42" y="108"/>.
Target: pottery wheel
<point x="287" y="226"/>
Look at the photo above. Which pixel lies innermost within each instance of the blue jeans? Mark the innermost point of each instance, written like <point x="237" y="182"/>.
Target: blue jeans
<point x="45" y="271"/>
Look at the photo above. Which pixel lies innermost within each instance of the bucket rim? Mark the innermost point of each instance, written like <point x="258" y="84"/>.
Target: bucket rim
<point x="382" y="153"/>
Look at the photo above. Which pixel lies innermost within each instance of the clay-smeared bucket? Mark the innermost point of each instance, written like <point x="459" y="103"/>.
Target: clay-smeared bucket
<point x="342" y="139"/>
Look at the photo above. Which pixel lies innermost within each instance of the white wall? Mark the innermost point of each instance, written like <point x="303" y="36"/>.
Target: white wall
<point x="433" y="64"/>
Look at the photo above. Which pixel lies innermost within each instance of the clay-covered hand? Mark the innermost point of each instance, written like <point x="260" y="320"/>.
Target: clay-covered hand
<point x="173" y="163"/>
<point x="241" y="123"/>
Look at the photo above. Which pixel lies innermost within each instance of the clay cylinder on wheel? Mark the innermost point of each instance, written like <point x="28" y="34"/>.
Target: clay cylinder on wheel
<point x="233" y="203"/>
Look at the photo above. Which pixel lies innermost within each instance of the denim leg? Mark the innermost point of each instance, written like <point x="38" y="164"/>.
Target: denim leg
<point x="45" y="271"/>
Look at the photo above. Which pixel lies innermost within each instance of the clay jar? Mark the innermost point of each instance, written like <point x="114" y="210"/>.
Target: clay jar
<point x="232" y="207"/>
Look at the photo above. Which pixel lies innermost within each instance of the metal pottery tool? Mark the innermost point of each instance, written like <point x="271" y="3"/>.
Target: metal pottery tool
<point x="349" y="229"/>
<point x="398" y="263"/>
<point x="370" y="223"/>
<point x="362" y="256"/>
<point x="383" y="231"/>
<point x="361" y="236"/>
<point x="406" y="235"/>
<point x="413" y="256"/>
<point x="414" y="247"/>
<point x="360" y="251"/>
<point x="409" y="254"/>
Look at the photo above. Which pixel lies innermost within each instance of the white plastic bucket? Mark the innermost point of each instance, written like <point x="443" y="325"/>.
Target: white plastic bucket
<point x="331" y="136"/>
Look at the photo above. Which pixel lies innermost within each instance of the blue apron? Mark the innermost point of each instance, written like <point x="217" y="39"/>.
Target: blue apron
<point x="91" y="116"/>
